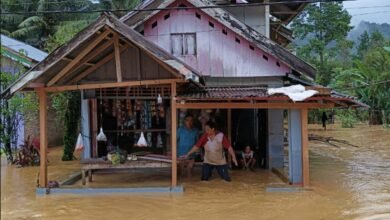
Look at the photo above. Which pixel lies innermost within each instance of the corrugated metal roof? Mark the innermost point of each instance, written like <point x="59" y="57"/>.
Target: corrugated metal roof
<point x="18" y="46"/>
<point x="260" y="93"/>
<point x="226" y="93"/>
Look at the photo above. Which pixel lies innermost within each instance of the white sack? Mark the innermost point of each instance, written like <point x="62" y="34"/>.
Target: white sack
<point x="101" y="136"/>
<point x="142" y="141"/>
<point x="295" y="92"/>
<point x="79" y="143"/>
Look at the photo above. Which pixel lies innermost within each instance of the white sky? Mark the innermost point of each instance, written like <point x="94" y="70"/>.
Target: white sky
<point x="378" y="13"/>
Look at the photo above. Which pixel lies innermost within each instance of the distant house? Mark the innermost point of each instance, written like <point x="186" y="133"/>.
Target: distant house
<point x="18" y="57"/>
<point x="197" y="56"/>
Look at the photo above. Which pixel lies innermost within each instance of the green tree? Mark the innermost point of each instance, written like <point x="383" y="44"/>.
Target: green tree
<point x="364" y="44"/>
<point x="119" y="5"/>
<point x="322" y="24"/>
<point x="369" y="80"/>
<point x="71" y="122"/>
<point x="36" y="27"/>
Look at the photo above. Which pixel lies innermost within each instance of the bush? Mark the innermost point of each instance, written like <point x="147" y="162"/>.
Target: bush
<point x="348" y="118"/>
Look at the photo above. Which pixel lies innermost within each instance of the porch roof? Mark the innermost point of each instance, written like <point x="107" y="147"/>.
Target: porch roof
<point x="260" y="94"/>
<point x="93" y="47"/>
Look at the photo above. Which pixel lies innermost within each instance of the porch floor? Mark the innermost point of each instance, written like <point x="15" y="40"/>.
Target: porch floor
<point x="161" y="177"/>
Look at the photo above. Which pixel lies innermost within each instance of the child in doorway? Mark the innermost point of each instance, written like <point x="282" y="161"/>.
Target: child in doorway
<point x="248" y="161"/>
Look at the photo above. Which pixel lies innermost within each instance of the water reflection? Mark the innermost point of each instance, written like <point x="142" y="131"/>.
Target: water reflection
<point x="347" y="182"/>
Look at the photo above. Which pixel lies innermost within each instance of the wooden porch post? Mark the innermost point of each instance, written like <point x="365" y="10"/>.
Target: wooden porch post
<point x="229" y="132"/>
<point x="305" y="148"/>
<point x="173" y="134"/>
<point x="43" y="137"/>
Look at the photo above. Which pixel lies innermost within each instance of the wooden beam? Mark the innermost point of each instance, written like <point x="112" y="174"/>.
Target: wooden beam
<point x="78" y="57"/>
<point x="118" y="67"/>
<point x="229" y="132"/>
<point x="138" y="63"/>
<point x="68" y="59"/>
<point x="245" y="105"/>
<point x="42" y="95"/>
<point x="111" y="85"/>
<point x="305" y="148"/>
<point x="174" y="135"/>
<point x="97" y="65"/>
<point x="91" y="55"/>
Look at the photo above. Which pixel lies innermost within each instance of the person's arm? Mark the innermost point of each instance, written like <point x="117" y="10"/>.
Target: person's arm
<point x="233" y="154"/>
<point x="193" y="150"/>
<point x="226" y="145"/>
<point x="197" y="146"/>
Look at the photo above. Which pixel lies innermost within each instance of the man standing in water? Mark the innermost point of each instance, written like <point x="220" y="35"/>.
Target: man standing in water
<point x="187" y="136"/>
<point x="214" y="143"/>
<point x="324" y="118"/>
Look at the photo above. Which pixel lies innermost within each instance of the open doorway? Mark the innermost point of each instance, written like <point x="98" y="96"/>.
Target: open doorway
<point x="249" y="127"/>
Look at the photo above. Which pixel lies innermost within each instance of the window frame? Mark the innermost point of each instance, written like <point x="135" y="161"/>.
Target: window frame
<point x="184" y="44"/>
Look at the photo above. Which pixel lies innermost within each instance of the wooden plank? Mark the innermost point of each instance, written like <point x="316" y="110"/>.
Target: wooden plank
<point x="155" y="159"/>
<point x="97" y="65"/>
<point x="118" y="67"/>
<point x="305" y="148"/>
<point x="126" y="165"/>
<point x="264" y="105"/>
<point x="42" y="95"/>
<point x="111" y="85"/>
<point x="174" y="135"/>
<point x="78" y="57"/>
<point x="86" y="63"/>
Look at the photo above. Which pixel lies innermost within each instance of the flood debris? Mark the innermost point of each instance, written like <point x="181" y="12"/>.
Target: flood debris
<point x="330" y="141"/>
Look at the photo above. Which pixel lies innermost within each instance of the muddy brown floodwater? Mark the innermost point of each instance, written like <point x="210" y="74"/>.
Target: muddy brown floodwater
<point x="346" y="182"/>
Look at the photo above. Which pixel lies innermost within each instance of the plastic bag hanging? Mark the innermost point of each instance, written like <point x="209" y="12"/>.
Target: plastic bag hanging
<point x="142" y="141"/>
<point x="101" y="136"/>
<point x="159" y="99"/>
<point x="79" y="143"/>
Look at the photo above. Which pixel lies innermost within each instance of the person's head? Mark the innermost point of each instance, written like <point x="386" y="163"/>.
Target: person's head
<point x="211" y="128"/>
<point x="188" y="121"/>
<point x="247" y="149"/>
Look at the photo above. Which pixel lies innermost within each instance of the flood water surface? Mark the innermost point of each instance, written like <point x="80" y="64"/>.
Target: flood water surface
<point x="346" y="183"/>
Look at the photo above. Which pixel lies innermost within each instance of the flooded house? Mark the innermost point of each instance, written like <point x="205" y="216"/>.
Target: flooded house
<point x="142" y="73"/>
<point x="16" y="58"/>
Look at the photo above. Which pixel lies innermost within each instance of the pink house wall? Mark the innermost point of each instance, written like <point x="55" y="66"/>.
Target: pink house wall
<point x="217" y="54"/>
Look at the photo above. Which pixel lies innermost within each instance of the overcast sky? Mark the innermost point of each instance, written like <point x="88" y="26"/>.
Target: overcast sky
<point x="379" y="11"/>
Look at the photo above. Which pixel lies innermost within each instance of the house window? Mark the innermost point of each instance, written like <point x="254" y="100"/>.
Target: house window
<point x="183" y="44"/>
